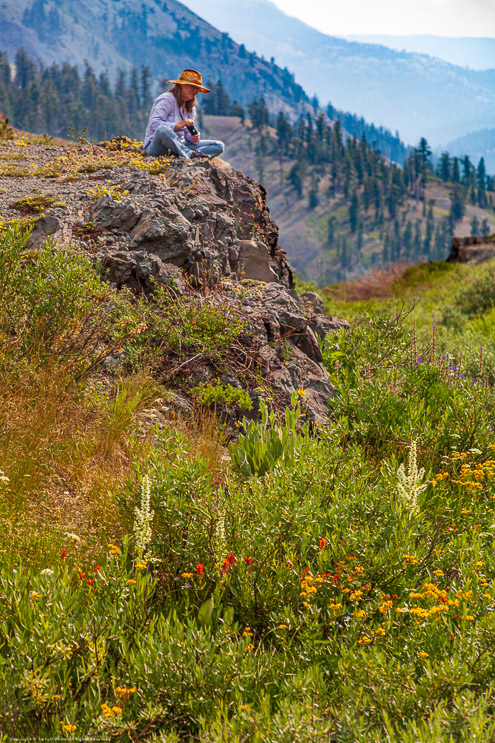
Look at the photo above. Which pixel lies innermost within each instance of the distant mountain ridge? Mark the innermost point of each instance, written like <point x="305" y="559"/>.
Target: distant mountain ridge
<point x="413" y="93"/>
<point x="471" y="52"/>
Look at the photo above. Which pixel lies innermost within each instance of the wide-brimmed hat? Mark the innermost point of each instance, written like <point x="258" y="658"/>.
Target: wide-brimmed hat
<point x="191" y="77"/>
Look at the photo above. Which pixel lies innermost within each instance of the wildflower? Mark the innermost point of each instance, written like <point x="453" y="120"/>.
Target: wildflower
<point x="114" y="550"/>
<point x="69" y="728"/>
<point x="282" y="626"/>
<point x="82" y="575"/>
<point x="422" y="654"/>
<point x="141" y="565"/>
<point x="364" y="640"/>
<point x="249" y="647"/>
<point x="98" y="567"/>
<point x="35" y="595"/>
<point x="106" y="711"/>
<point x="124" y="693"/>
<point x="74" y="537"/>
<point x="356" y="595"/>
<point x="229" y="562"/>
<point x="131" y="582"/>
<point x="90" y="582"/>
<point x="55" y="697"/>
<point x="63" y="554"/>
<point x="144" y="518"/>
<point x="438" y="573"/>
<point x="249" y="562"/>
<point x="359" y="614"/>
<point x="200" y="569"/>
<point x="301" y="392"/>
<point x="386" y="605"/>
<point x="186" y="575"/>
<point x="409" y="486"/>
<point x="323" y="543"/>
<point x="46" y="571"/>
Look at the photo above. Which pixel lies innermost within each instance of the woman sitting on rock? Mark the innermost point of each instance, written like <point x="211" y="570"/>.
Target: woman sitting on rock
<point x="171" y="127"/>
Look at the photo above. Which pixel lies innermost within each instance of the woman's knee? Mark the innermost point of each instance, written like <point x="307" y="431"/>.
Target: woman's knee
<point x="219" y="146"/>
<point x="163" y="132"/>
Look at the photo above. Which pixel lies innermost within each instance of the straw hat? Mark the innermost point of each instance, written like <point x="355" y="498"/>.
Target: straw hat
<point x="191" y="77"/>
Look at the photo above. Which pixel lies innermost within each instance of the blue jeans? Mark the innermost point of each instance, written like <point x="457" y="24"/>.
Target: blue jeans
<point x="165" y="140"/>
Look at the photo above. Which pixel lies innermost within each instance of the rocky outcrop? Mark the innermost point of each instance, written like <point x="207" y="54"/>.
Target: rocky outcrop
<point x="198" y="228"/>
<point x="279" y="344"/>
<point x="141" y="271"/>
<point x="205" y="218"/>
<point x="473" y="248"/>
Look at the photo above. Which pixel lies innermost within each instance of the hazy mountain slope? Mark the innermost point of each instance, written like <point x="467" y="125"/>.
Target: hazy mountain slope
<point x="163" y="34"/>
<point x="476" y="144"/>
<point x="475" y="53"/>
<point x="415" y="94"/>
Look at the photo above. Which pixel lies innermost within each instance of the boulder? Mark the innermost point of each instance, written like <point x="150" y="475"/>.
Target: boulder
<point x="253" y="260"/>
<point x="43" y="228"/>
<point x="473" y="248"/>
<point x="141" y="271"/>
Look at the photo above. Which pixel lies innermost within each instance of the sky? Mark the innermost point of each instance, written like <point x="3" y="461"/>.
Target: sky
<point x="439" y="17"/>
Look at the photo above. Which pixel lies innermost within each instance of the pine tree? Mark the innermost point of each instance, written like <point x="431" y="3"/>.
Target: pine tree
<point x="485" y="227"/>
<point x="445" y="167"/>
<point x="145" y="86"/>
<point x="354" y="210"/>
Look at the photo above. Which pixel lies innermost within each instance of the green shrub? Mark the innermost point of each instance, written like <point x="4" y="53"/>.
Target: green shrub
<point x="477" y="295"/>
<point x="263" y="444"/>
<point x="209" y="393"/>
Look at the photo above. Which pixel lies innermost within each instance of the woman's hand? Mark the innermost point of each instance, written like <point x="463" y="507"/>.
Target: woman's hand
<point x="196" y="138"/>
<point x="182" y="124"/>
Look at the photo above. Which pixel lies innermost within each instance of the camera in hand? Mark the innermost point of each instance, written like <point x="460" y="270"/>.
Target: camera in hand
<point x="192" y="130"/>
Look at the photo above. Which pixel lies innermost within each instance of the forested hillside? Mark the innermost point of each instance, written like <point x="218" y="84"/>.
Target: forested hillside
<point x="164" y="36"/>
<point x="343" y="208"/>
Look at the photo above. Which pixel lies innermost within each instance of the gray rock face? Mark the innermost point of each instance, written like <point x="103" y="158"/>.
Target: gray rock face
<point x="200" y="220"/>
<point x="141" y="271"/>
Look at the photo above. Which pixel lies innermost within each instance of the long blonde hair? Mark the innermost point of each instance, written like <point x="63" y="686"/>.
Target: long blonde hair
<point x="177" y="93"/>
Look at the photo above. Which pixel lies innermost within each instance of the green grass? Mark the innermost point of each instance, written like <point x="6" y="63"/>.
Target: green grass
<point x="298" y="586"/>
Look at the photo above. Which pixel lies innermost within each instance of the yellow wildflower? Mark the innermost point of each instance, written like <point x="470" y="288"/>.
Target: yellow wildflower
<point x="364" y="640"/>
<point x="423" y="654"/>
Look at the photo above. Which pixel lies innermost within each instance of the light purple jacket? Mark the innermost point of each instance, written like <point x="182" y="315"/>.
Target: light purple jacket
<point x="165" y="110"/>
